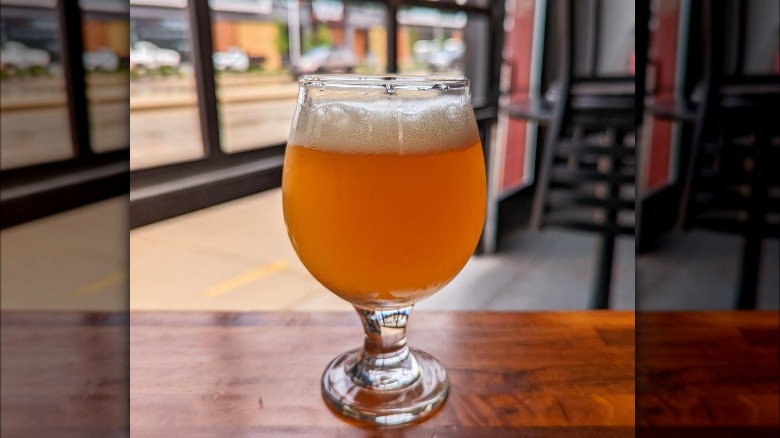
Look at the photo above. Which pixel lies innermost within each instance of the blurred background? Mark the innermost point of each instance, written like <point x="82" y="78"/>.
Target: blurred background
<point x="212" y="93"/>
<point x="602" y="121"/>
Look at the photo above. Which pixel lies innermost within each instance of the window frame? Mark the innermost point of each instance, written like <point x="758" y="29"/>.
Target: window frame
<point x="38" y="190"/>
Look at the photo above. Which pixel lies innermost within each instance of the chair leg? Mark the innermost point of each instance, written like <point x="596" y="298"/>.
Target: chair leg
<point x="748" y="276"/>
<point x="602" y="279"/>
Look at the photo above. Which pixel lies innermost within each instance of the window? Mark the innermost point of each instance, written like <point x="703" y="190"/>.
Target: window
<point x="63" y="88"/>
<point x="32" y="85"/>
<point x="442" y="42"/>
<point x="106" y="60"/>
<point x="259" y="51"/>
<point x="217" y="123"/>
<point x="164" y="118"/>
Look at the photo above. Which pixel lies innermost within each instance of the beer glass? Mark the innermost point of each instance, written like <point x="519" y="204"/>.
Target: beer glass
<point x="384" y="201"/>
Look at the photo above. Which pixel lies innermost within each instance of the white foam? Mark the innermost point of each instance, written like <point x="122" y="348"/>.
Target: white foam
<point x="385" y="126"/>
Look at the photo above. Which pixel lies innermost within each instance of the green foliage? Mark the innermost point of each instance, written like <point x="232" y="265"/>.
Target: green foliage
<point x="34" y="71"/>
<point x="282" y="40"/>
<point x="320" y="37"/>
<point x="161" y="72"/>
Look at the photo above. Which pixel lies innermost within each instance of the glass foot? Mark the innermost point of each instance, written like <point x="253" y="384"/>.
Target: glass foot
<point x="385" y="407"/>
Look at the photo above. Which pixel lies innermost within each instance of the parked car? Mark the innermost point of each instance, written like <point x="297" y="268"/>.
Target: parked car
<point x="422" y="49"/>
<point x="103" y="59"/>
<point x="325" y="59"/>
<point x="449" y="57"/>
<point x="147" y="55"/>
<point x="18" y="56"/>
<point x="234" y="58"/>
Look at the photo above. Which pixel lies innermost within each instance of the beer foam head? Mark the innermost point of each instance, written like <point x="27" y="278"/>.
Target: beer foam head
<point x="403" y="121"/>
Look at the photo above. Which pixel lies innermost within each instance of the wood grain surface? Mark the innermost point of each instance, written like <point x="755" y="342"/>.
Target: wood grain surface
<point x="513" y="374"/>
<point x="540" y="374"/>
<point x="708" y="374"/>
<point x="64" y="374"/>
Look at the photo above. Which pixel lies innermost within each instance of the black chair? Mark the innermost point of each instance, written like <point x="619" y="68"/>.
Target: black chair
<point x="732" y="182"/>
<point x="587" y="172"/>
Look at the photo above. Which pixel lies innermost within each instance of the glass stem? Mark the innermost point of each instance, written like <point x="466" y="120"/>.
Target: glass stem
<point x="385" y="363"/>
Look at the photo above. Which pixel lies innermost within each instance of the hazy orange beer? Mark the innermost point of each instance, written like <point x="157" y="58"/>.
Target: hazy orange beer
<point x="384" y="199"/>
<point x="381" y="219"/>
<point x="383" y="226"/>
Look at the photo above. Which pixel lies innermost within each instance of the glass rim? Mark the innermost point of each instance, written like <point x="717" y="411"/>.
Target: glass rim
<point x="384" y="81"/>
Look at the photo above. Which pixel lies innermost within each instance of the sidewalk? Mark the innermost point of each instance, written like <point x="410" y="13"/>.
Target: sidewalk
<point x="236" y="256"/>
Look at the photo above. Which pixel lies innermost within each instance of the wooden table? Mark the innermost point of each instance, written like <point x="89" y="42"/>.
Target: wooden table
<point x="513" y="374"/>
<point x="571" y="374"/>
<point x="708" y="374"/>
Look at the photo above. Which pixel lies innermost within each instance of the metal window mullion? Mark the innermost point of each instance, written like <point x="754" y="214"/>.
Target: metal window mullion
<point x="495" y="46"/>
<point x="200" y="25"/>
<point x="69" y="17"/>
<point x="392" y="36"/>
<point x="596" y="39"/>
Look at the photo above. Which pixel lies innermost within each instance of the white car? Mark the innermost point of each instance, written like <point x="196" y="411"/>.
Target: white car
<point x="17" y="55"/>
<point x="422" y="49"/>
<point x="148" y="55"/>
<point x="449" y="57"/>
<point x="234" y="58"/>
<point x="103" y="59"/>
<point x="325" y="59"/>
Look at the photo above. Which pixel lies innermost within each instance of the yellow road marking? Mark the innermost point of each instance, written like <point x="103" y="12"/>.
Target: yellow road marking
<point x="246" y="278"/>
<point x="101" y="284"/>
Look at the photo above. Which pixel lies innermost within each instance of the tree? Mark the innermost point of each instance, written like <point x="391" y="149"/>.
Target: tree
<point x="321" y="37"/>
<point x="282" y="41"/>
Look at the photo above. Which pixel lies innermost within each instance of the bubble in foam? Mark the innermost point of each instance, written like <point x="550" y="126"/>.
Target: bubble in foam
<point x="453" y="111"/>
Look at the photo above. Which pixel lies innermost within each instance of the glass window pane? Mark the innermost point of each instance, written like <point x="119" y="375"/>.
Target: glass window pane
<point x="616" y="38"/>
<point x="164" y="118"/>
<point x="106" y="58"/>
<point x="448" y="43"/>
<point x="762" y="38"/>
<point x="261" y="46"/>
<point x="32" y="86"/>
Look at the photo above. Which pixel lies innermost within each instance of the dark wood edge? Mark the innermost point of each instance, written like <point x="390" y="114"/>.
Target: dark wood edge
<point x="568" y="318"/>
<point x="62" y="318"/>
<point x="622" y="319"/>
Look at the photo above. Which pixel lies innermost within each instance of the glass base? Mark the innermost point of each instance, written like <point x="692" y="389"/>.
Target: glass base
<point x="385" y="407"/>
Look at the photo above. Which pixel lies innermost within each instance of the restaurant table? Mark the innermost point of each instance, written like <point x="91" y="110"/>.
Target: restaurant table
<point x="209" y="374"/>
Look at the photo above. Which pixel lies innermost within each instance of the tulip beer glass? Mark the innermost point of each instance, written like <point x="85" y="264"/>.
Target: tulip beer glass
<point x="384" y="201"/>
